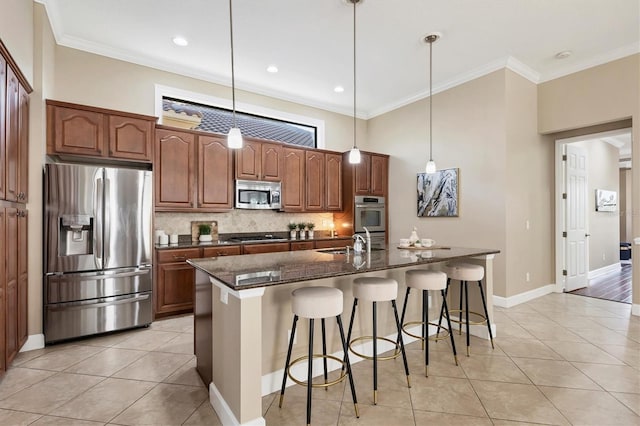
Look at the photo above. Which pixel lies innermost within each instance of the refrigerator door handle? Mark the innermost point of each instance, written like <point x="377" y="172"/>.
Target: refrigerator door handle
<point x="100" y="304"/>
<point x="98" y="241"/>
<point x="107" y="219"/>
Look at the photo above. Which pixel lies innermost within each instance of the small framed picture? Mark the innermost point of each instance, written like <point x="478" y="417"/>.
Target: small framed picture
<point x="606" y="201"/>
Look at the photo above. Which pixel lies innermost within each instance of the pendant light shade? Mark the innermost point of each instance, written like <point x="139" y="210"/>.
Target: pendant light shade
<point x="354" y="154"/>
<point x="430" y="39"/>
<point x="234" y="137"/>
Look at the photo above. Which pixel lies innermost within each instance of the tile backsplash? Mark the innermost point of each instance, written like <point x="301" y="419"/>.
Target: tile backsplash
<point x="241" y="221"/>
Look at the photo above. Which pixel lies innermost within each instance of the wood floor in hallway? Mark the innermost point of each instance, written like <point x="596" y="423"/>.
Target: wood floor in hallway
<point x="615" y="286"/>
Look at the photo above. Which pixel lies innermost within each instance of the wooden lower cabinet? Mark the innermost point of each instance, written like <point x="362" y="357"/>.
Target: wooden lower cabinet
<point x="11" y="289"/>
<point x="264" y="248"/>
<point x="336" y="242"/>
<point x="302" y="245"/>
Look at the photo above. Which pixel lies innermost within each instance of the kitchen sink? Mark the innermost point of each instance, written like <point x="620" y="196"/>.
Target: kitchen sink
<point x="343" y="250"/>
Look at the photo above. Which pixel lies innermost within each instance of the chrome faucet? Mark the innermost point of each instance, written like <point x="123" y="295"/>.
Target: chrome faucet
<point x="368" y="239"/>
<point x="357" y="244"/>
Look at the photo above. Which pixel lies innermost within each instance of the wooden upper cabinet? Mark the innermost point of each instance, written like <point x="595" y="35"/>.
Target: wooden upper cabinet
<point x="174" y="169"/>
<point x="371" y="175"/>
<point x="379" y="172"/>
<point x="293" y="186"/>
<point x="130" y="138"/>
<point x="314" y="178"/>
<point x="76" y="132"/>
<point x="333" y="172"/>
<point x="3" y="97"/>
<point x="215" y="173"/>
<point x="363" y="175"/>
<point x="258" y="160"/>
<point x="12" y="136"/>
<point x="97" y="132"/>
<point x="23" y="147"/>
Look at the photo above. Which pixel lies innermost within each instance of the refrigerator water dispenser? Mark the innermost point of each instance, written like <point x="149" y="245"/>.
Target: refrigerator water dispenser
<point x="76" y="235"/>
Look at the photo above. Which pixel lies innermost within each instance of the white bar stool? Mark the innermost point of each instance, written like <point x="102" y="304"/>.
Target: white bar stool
<point x="425" y="280"/>
<point x="377" y="289"/>
<point x="314" y="303"/>
<point x="465" y="272"/>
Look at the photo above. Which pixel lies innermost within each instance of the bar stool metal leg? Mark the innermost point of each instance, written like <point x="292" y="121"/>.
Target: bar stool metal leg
<point x="353" y="315"/>
<point x="446" y="310"/>
<point x="425" y="331"/>
<point x="486" y="313"/>
<point x="444" y="296"/>
<point x="286" y="365"/>
<point x="324" y="353"/>
<point x="345" y="348"/>
<point x="375" y="357"/>
<point x="310" y="371"/>
<point x="466" y="305"/>
<point x="460" y="324"/>
<point x="404" y="354"/>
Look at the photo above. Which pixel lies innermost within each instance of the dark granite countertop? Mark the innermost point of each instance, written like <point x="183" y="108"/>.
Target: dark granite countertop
<point x="185" y="242"/>
<point x="268" y="269"/>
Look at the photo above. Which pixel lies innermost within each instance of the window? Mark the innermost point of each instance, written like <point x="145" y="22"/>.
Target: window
<point x="196" y="116"/>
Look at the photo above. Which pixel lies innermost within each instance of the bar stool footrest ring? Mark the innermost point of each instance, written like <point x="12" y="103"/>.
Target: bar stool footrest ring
<point x="340" y="378"/>
<point x="437" y="336"/>
<point x="396" y="352"/>
<point x="461" y="321"/>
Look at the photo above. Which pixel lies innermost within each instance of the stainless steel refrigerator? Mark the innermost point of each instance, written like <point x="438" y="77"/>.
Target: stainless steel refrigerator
<point x="97" y="250"/>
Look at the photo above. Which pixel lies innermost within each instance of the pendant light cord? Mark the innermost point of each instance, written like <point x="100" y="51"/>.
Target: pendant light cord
<point x="430" y="100"/>
<point x="354" y="72"/>
<point x="233" y="79"/>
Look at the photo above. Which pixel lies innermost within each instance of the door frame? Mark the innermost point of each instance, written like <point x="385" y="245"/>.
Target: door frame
<point x="560" y="185"/>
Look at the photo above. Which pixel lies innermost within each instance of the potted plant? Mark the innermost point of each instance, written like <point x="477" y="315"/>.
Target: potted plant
<point x="301" y="227"/>
<point x="205" y="232"/>
<point x="310" y="227"/>
<point x="292" y="230"/>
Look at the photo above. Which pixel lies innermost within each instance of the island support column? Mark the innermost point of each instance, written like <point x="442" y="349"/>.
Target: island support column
<point x="235" y="391"/>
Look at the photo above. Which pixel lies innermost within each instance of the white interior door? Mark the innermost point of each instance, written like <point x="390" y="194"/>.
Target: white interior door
<point x="576" y="247"/>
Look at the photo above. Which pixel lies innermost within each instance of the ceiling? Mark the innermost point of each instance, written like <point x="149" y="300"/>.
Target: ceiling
<point x="311" y="42"/>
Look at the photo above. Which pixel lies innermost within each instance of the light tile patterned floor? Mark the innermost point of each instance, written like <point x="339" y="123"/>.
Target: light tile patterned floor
<point x="560" y="359"/>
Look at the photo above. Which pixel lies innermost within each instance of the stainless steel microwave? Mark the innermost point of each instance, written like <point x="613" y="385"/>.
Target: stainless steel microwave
<point x="259" y="195"/>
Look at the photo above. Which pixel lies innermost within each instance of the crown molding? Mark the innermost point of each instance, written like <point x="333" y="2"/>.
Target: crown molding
<point x="523" y="70"/>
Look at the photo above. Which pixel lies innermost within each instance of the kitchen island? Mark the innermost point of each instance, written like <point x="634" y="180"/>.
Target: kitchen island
<point x="243" y="314"/>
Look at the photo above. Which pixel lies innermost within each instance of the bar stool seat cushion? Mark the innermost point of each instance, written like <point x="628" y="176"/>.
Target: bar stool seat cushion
<point x="464" y="271"/>
<point x="316" y="302"/>
<point x="375" y="289"/>
<point x="425" y="279"/>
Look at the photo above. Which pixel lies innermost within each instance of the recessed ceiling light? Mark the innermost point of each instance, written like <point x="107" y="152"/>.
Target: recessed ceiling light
<point x="272" y="69"/>
<point x="180" y="41"/>
<point x="563" y="54"/>
<point x="338" y="89"/>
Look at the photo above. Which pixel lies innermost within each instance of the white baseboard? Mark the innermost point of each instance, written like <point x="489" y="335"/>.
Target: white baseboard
<point x="614" y="267"/>
<point x="225" y="414"/>
<point x="508" y="302"/>
<point x="34" y="341"/>
<point x="635" y="309"/>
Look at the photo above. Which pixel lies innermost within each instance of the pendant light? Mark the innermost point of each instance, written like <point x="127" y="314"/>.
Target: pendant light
<point x="354" y="154"/>
<point x="431" y="165"/>
<point x="234" y="138"/>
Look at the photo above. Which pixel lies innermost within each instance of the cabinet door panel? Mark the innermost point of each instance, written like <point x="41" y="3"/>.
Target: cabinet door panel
<point x="338" y="242"/>
<point x="271" y="162"/>
<point x="174" y="169"/>
<point x="314" y="181"/>
<point x="302" y="245"/>
<point x="3" y="97"/>
<point x="221" y="251"/>
<point x="215" y="173"/>
<point x="174" y="291"/>
<point x="23" y="147"/>
<point x="379" y="167"/>
<point x="333" y="188"/>
<point x="11" y="312"/>
<point x="130" y="138"/>
<point x="78" y="132"/>
<point x="248" y="161"/>
<point x="3" y="253"/>
<point x="23" y="280"/>
<point x="264" y="248"/>
<point x="293" y="180"/>
<point x="12" y="138"/>
<point x="363" y="175"/>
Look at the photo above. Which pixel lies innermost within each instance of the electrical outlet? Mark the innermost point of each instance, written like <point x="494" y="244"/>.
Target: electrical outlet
<point x="527" y="277"/>
<point x="604" y="256"/>
<point x="295" y="338"/>
<point x="526" y="225"/>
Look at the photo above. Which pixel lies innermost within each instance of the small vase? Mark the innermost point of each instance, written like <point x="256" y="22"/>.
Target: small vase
<point x="292" y="234"/>
<point x="310" y="234"/>
<point x="302" y="234"/>
<point x="205" y="238"/>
